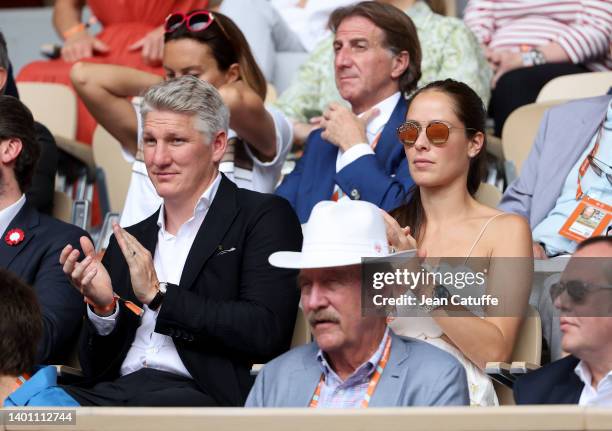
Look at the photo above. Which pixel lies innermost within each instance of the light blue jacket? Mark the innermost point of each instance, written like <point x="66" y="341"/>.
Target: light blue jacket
<point x="417" y="374"/>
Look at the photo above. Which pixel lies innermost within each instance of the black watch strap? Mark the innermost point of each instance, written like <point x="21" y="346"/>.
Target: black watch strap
<point x="157" y="300"/>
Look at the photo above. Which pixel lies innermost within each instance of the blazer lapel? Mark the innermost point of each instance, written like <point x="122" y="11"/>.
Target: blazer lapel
<point x="568" y="390"/>
<point x="218" y="220"/>
<point x="388" y="139"/>
<point x="390" y="385"/>
<point x="27" y="220"/>
<point x="571" y="143"/>
<point x="304" y="379"/>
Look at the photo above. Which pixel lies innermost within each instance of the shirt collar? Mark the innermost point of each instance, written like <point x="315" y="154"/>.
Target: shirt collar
<point x="386" y="108"/>
<point x="201" y="205"/>
<point x="44" y="378"/>
<point x="584" y="374"/>
<point x="370" y="363"/>
<point x="9" y="213"/>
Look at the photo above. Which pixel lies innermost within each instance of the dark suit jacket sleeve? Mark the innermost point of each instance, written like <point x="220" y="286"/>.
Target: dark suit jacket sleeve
<point x="40" y="193"/>
<point x="368" y="177"/>
<point x="518" y="196"/>
<point x="259" y="323"/>
<point x="62" y="306"/>
<point x="102" y="356"/>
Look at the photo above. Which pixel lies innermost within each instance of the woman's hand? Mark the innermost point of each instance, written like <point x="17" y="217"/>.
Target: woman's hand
<point x="152" y="46"/>
<point x="398" y="237"/>
<point x="82" y="45"/>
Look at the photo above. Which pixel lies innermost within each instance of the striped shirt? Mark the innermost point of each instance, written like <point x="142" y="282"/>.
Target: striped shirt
<point x="583" y="28"/>
<point x="336" y="393"/>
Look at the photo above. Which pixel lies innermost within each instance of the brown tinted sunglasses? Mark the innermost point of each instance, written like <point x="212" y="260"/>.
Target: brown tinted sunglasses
<point x="437" y="132"/>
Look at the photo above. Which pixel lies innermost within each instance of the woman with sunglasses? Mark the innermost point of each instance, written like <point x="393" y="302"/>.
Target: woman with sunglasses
<point x="444" y="141"/>
<point x="211" y="47"/>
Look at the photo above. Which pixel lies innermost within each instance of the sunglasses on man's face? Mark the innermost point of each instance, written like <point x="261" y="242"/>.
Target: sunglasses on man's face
<point x="437" y="132"/>
<point x="595" y="165"/>
<point x="195" y="22"/>
<point x="576" y="290"/>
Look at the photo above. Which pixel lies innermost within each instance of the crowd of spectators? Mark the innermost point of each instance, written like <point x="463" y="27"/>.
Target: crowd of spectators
<point x="388" y="119"/>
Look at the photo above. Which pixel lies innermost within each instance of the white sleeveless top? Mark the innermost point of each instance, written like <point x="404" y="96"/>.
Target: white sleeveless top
<point x="480" y="385"/>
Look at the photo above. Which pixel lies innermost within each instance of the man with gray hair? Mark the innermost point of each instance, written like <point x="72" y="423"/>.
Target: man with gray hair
<point x="184" y="302"/>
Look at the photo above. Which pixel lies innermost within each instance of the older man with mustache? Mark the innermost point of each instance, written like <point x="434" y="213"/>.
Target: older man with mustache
<point x="355" y="361"/>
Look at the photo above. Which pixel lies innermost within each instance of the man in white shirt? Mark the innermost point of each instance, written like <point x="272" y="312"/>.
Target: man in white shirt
<point x="584" y="298"/>
<point x="356" y="153"/>
<point x="184" y="302"/>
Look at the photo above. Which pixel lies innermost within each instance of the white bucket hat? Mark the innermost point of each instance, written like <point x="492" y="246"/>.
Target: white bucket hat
<point x="338" y="234"/>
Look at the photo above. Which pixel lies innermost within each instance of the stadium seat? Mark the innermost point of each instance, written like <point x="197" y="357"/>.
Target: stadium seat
<point x="488" y="195"/>
<point x="518" y="135"/>
<point x="576" y="86"/>
<point x="526" y="356"/>
<point x="116" y="170"/>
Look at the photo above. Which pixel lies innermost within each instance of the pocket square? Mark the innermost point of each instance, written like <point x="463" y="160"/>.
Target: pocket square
<point x="222" y="251"/>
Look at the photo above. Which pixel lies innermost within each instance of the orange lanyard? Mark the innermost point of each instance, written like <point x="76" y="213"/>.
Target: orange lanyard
<point x="586" y="163"/>
<point x="21" y="380"/>
<point x="314" y="402"/>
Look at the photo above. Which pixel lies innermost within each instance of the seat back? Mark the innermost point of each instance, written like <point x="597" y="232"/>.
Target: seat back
<point x="301" y="330"/>
<point x="576" y="86"/>
<point x="520" y="130"/>
<point x="488" y="195"/>
<point x="527" y="348"/>
<point x="54" y="105"/>
<point x="62" y="206"/>
<point x="117" y="171"/>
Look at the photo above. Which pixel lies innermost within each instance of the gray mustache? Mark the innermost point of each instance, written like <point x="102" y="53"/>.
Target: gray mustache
<point x="323" y="315"/>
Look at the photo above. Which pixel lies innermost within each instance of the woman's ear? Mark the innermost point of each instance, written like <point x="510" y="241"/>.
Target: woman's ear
<point x="232" y="74"/>
<point x="476" y="144"/>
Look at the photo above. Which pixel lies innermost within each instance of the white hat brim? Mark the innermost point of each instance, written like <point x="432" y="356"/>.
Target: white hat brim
<point x="300" y="260"/>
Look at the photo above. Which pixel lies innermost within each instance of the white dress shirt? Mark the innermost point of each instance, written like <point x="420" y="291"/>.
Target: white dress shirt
<point x="601" y="396"/>
<point x="150" y="349"/>
<point x="373" y="128"/>
<point x="9" y="213"/>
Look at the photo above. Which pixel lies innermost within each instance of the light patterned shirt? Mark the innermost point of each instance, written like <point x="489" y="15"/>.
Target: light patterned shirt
<point x="349" y="393"/>
<point x="449" y="48"/>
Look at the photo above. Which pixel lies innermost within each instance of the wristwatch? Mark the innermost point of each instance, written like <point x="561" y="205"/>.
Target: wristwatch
<point x="441" y="295"/>
<point x="533" y="57"/>
<point x="157" y="300"/>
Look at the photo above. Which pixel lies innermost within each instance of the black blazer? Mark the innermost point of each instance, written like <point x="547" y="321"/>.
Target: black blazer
<point x="231" y="309"/>
<point x="36" y="261"/>
<point x="555" y="383"/>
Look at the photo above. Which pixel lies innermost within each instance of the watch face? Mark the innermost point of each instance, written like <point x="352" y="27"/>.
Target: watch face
<point x="163" y="287"/>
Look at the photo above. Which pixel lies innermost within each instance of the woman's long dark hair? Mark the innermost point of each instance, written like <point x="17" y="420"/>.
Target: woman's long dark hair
<point x="471" y="112"/>
<point x="228" y="45"/>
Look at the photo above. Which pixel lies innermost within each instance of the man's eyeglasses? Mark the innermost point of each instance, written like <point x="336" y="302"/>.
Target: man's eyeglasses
<point x="577" y="290"/>
<point x="437" y="132"/>
<point x="196" y="21"/>
<point x="594" y="162"/>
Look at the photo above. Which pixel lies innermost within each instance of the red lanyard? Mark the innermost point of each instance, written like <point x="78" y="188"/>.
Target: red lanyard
<point x="586" y="163"/>
<point x="314" y="402"/>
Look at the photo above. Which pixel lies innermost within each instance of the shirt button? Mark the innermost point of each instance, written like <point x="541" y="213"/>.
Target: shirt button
<point x="355" y="195"/>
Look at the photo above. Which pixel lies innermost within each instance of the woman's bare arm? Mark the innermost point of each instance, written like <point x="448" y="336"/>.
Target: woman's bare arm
<point x="105" y="90"/>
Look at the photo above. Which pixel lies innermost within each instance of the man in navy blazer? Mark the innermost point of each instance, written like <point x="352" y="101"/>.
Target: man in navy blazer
<point x="356" y="152"/>
<point x="584" y="298"/>
<point x="31" y="242"/>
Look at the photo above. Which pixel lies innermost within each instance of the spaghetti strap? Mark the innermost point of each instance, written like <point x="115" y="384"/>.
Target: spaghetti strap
<point x="482" y="231"/>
